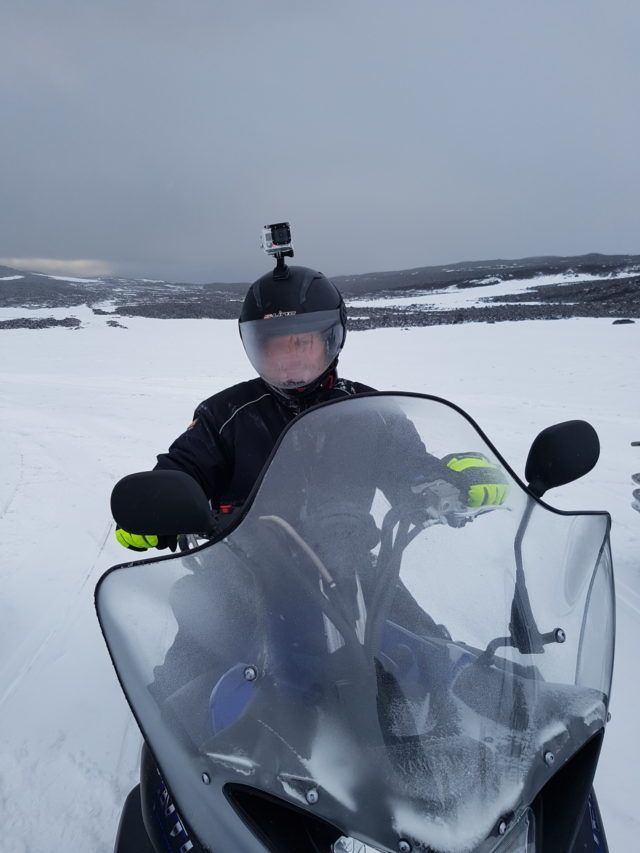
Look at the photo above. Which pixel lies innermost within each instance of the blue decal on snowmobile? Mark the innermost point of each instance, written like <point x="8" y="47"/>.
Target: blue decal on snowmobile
<point x="173" y="830"/>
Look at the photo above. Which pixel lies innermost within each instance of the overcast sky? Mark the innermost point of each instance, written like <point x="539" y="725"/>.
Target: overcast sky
<point x="155" y="137"/>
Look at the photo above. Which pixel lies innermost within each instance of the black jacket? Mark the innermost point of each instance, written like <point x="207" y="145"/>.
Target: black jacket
<point x="233" y="433"/>
<point x="232" y="436"/>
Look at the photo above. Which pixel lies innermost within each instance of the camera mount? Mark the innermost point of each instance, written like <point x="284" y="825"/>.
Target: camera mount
<point x="276" y="242"/>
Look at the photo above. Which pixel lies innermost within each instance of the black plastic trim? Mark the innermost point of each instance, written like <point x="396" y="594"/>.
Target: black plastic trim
<point x="559" y="807"/>
<point x="262" y="813"/>
<point x="132" y="836"/>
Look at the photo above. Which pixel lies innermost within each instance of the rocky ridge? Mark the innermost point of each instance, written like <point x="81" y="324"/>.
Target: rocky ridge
<point x="602" y="296"/>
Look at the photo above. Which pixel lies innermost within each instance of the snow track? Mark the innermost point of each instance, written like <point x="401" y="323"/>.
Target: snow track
<point x="78" y="411"/>
<point x="14" y="492"/>
<point x="52" y="651"/>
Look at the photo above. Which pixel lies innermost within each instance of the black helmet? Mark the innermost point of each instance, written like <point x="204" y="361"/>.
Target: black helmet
<point x="293" y="326"/>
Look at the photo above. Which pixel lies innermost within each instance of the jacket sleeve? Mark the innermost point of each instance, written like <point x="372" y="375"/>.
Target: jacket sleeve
<point x="200" y="452"/>
<point x="403" y="459"/>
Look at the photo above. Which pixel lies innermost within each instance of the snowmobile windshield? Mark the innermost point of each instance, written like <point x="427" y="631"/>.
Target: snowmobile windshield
<point x="362" y="650"/>
<point x="292" y="351"/>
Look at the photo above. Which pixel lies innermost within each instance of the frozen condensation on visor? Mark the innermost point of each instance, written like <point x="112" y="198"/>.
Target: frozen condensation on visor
<point x="292" y="351"/>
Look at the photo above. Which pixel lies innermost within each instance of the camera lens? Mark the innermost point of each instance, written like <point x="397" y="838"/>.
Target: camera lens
<point x="281" y="234"/>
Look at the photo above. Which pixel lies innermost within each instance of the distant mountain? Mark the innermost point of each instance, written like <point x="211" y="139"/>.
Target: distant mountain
<point x="152" y="298"/>
<point x="468" y="273"/>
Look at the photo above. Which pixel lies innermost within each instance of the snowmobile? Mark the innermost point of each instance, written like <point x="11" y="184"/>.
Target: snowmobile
<point x="433" y="678"/>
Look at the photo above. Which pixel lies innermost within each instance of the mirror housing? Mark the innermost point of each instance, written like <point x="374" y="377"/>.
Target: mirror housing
<point x="161" y="503"/>
<point x="561" y="454"/>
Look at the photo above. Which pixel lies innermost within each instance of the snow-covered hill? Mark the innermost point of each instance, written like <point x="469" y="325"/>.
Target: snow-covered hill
<point x="79" y="410"/>
<point x="481" y="291"/>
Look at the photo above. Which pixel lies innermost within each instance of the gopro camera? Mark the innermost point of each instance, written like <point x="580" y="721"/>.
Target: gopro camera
<point x="276" y="240"/>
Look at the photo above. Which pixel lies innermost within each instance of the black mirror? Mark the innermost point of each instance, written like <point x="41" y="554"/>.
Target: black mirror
<point x="163" y="503"/>
<point x="561" y="454"/>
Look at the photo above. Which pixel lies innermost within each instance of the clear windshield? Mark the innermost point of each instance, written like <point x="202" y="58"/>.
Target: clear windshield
<point x="350" y="650"/>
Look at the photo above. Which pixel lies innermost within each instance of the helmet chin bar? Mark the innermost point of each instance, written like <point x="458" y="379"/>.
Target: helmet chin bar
<point x="294" y="395"/>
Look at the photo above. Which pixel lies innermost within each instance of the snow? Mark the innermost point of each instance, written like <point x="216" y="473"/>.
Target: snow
<point x="468" y="297"/>
<point x="78" y="411"/>
<point x="81" y="311"/>
<point x="69" y="278"/>
<point x="10" y="277"/>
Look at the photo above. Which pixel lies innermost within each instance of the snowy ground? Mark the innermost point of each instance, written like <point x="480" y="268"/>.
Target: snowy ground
<point x="79" y="409"/>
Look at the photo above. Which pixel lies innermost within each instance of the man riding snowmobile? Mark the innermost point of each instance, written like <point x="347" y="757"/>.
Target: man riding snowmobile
<point x="293" y="327"/>
<point x="301" y="620"/>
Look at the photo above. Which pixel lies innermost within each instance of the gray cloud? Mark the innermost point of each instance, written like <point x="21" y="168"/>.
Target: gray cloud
<point x="157" y="137"/>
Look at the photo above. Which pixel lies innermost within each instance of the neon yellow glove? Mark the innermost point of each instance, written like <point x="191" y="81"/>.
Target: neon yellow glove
<point x="134" y="541"/>
<point x="137" y="542"/>
<point x="481" y="482"/>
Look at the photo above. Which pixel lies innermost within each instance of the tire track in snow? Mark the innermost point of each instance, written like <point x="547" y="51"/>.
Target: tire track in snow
<point x="16" y="489"/>
<point x="131" y="737"/>
<point x="63" y="440"/>
<point x="55" y="629"/>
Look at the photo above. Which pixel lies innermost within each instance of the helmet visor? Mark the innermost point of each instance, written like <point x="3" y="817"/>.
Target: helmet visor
<point x="291" y="352"/>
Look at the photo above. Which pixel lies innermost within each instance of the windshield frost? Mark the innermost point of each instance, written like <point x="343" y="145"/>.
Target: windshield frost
<point x="350" y="640"/>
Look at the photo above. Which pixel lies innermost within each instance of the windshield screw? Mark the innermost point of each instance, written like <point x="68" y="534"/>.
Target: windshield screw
<point x="312" y="796"/>
<point x="560" y="635"/>
<point x="206" y="778"/>
<point x="404" y="846"/>
<point x="608" y="716"/>
<point x="250" y="673"/>
<point x="549" y="758"/>
<point x="502" y="827"/>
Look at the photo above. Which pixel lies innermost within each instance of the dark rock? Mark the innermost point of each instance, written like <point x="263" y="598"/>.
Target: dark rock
<point x="39" y="323"/>
<point x="623" y="322"/>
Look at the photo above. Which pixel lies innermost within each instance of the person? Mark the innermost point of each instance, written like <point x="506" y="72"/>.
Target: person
<point x="293" y="328"/>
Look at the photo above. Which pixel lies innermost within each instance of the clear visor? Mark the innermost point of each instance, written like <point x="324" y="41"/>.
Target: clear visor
<point x="292" y="352"/>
